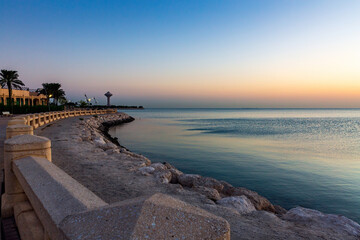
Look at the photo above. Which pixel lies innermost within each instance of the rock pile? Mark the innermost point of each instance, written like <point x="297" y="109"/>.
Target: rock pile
<point x="221" y="194"/>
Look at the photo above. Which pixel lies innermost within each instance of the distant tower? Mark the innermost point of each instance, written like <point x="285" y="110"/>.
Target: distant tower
<point x="108" y="95"/>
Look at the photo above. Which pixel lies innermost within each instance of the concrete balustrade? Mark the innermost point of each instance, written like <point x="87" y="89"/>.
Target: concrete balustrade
<point x="14" y="148"/>
<point x="17" y="121"/>
<point x="19" y="129"/>
<point x="40" y="119"/>
<point x="157" y="217"/>
<point x="47" y="188"/>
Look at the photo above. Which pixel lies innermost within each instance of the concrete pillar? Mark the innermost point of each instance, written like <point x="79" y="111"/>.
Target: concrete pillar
<point x="17" y="121"/>
<point x="51" y="117"/>
<point x="28" y="119"/>
<point x="33" y="121"/>
<point x="41" y="119"/>
<point x="45" y="118"/>
<point x="15" y="148"/>
<point x="20" y="129"/>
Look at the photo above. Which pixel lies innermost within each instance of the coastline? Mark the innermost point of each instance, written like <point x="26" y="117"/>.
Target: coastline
<point x="249" y="214"/>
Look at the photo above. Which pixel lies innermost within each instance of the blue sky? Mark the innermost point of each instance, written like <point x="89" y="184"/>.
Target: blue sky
<point x="188" y="53"/>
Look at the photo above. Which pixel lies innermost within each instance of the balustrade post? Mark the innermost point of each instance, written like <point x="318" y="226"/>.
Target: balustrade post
<point x="15" y="148"/>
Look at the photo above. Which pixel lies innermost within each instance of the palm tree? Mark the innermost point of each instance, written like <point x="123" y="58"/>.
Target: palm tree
<point x="46" y="90"/>
<point x="52" y="90"/>
<point x="58" y="93"/>
<point x="10" y="79"/>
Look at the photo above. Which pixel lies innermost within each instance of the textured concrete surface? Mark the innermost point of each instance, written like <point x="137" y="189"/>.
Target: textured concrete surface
<point x="18" y="129"/>
<point x="3" y="125"/>
<point x="157" y="217"/>
<point x="26" y="142"/>
<point x="28" y="223"/>
<point x="29" y="226"/>
<point x="15" y="148"/>
<point x="22" y="207"/>
<point x="52" y="193"/>
<point x="16" y="121"/>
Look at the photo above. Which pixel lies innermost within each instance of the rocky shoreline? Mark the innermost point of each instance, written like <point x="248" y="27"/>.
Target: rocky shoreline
<point x="250" y="215"/>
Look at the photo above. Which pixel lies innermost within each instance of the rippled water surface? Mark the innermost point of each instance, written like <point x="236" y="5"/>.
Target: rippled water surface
<point x="307" y="157"/>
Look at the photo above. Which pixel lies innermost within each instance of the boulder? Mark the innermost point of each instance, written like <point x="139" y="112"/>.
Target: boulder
<point x="146" y="170"/>
<point x="175" y="173"/>
<point x="112" y="151"/>
<point x="313" y="218"/>
<point x="280" y="210"/>
<point x="158" y="166"/>
<point x="163" y="176"/>
<point x="209" y="183"/>
<point x="241" y="203"/>
<point x="109" y="145"/>
<point x="99" y="142"/>
<point x="228" y="189"/>
<point x="188" y="180"/>
<point x="258" y="201"/>
<point x="210" y="193"/>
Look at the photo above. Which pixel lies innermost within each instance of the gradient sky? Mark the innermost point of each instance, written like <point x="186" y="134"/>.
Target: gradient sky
<point x="290" y="53"/>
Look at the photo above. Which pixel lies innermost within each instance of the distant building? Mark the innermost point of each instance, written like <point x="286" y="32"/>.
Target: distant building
<point x="22" y="97"/>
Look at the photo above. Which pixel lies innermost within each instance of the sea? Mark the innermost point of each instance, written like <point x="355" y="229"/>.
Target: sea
<point x="293" y="157"/>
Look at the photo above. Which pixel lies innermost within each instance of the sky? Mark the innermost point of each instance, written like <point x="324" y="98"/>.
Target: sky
<point x="256" y="53"/>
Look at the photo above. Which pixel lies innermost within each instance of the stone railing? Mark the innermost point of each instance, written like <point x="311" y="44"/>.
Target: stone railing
<point x="49" y="204"/>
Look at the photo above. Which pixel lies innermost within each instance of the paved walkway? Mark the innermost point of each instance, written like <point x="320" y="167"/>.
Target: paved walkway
<point x="3" y="124"/>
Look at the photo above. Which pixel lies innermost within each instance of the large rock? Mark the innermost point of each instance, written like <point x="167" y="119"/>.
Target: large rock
<point x="209" y="183"/>
<point x="157" y="217"/>
<point x="188" y="180"/>
<point x="158" y="166"/>
<point x="334" y="223"/>
<point x="191" y="180"/>
<point x="146" y="170"/>
<point x="175" y="173"/>
<point x="99" y="142"/>
<point x="241" y="203"/>
<point x="163" y="176"/>
<point x="210" y="193"/>
<point x="259" y="202"/>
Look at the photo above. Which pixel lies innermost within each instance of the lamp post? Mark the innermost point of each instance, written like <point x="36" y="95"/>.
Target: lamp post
<point x="49" y="101"/>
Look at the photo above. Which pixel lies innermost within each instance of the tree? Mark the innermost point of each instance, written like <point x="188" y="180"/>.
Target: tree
<point x="10" y="79"/>
<point x="58" y="93"/>
<point x="52" y="90"/>
<point x="83" y="104"/>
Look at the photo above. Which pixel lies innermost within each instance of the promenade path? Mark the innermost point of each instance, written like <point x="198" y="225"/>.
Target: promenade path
<point x="3" y="124"/>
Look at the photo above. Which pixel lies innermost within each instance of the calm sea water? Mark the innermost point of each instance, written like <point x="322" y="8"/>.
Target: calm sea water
<point x="306" y="157"/>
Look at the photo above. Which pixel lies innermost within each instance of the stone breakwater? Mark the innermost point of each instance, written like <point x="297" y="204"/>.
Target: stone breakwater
<point x="118" y="174"/>
<point x="96" y="129"/>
